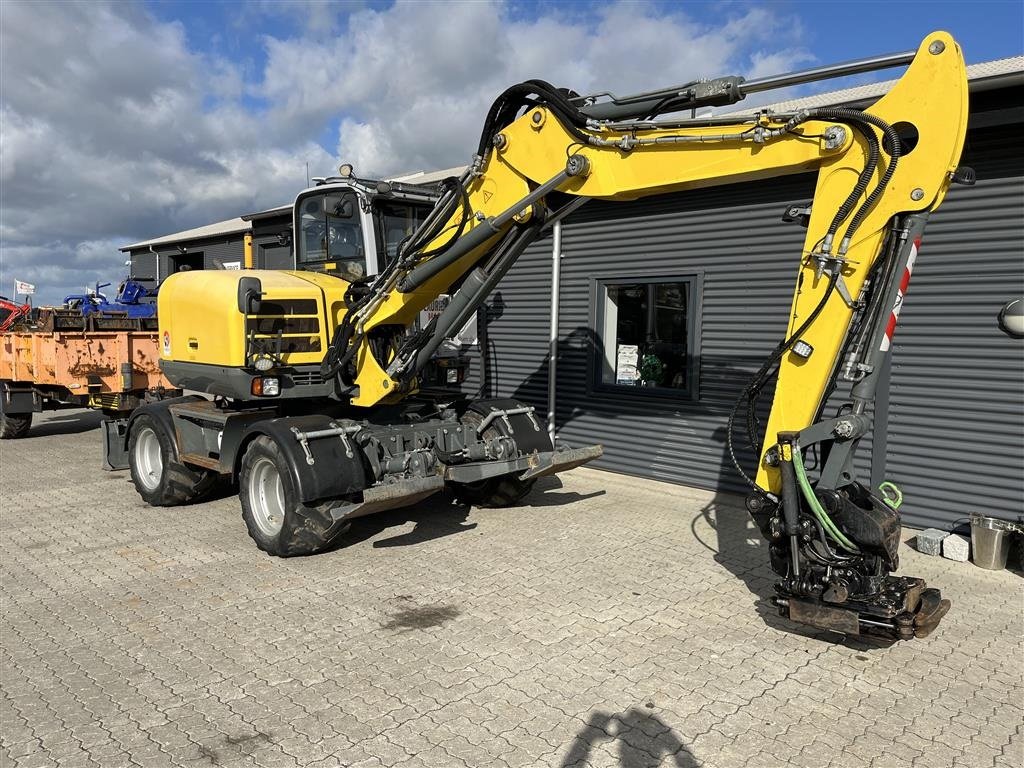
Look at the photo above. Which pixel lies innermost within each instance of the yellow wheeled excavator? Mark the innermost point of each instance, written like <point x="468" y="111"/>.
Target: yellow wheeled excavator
<point x="320" y="408"/>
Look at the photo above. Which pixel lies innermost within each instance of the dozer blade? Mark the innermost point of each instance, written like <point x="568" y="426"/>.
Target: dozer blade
<point x="380" y="498"/>
<point x="562" y="461"/>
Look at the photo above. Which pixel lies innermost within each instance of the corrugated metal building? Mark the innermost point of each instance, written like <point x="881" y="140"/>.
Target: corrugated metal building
<point x="214" y="246"/>
<point x="718" y="266"/>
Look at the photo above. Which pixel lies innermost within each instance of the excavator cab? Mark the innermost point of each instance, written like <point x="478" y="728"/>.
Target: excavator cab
<point x="350" y="228"/>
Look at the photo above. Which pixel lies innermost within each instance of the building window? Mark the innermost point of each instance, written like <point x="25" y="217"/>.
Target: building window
<point x="184" y="262"/>
<point x="646" y="328"/>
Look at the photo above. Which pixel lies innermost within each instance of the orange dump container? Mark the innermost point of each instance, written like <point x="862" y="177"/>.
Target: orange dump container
<point x="93" y="366"/>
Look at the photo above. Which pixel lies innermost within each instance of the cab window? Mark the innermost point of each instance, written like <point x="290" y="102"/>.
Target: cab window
<point x="330" y="234"/>
<point x="398" y="221"/>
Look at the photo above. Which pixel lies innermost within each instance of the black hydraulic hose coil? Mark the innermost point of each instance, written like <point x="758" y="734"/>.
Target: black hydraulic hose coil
<point x="506" y="107"/>
<point x="892" y="138"/>
<point x="849" y="117"/>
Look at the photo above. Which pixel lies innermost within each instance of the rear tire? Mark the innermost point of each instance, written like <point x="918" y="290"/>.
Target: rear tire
<point x="277" y="520"/>
<point x="14" y="426"/>
<point x="501" y="491"/>
<point x="160" y="479"/>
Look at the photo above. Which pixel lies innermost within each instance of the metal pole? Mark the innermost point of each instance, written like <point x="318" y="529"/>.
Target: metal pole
<point x="556" y="269"/>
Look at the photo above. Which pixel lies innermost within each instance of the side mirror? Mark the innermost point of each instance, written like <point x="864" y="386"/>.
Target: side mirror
<point x="249" y="292"/>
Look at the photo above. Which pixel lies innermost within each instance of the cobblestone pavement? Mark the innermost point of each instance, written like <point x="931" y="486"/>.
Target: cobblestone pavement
<point x="607" y="622"/>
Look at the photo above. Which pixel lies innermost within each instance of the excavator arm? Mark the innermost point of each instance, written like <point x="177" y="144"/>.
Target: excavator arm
<point x="881" y="171"/>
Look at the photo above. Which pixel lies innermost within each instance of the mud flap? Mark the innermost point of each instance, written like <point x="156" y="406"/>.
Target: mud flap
<point x="115" y="444"/>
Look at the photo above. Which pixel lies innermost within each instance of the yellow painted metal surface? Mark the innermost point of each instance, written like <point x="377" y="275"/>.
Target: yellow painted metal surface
<point x="247" y="251"/>
<point x="200" y="321"/>
<point x="932" y="96"/>
<point x="82" y="362"/>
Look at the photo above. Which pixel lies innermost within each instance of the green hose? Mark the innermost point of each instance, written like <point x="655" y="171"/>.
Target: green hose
<point x="815" y="504"/>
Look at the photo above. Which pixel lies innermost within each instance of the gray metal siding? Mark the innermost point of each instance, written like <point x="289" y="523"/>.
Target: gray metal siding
<point x="955" y="439"/>
<point x="216" y="253"/>
<point x="745" y="259"/>
<point x="956" y="412"/>
<point x="220" y="252"/>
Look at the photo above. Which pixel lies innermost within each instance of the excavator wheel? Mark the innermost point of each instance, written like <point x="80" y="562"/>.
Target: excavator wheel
<point x="494" y="492"/>
<point x="277" y="520"/>
<point x="14" y="425"/>
<point x="502" y="491"/>
<point x="159" y="477"/>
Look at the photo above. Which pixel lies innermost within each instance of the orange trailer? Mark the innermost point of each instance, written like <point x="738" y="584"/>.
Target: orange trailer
<point x="114" y="371"/>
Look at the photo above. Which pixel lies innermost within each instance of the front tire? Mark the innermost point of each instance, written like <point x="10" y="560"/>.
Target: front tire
<point x="277" y="520"/>
<point x="160" y="479"/>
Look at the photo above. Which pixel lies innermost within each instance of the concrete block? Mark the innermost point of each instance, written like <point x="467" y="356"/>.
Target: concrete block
<point x="929" y="541"/>
<point x="956" y="548"/>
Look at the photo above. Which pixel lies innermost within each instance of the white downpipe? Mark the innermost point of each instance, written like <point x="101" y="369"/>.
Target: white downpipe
<point x="556" y="270"/>
<point x="157" y="256"/>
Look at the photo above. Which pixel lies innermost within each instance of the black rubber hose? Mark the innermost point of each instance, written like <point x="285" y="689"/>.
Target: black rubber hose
<point x="454" y="195"/>
<point x="773" y="358"/>
<point x="850" y="118"/>
<point x="506" y="107"/>
<point x="895" y="151"/>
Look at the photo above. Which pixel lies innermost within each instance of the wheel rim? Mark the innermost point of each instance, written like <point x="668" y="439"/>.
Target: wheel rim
<point x="149" y="459"/>
<point x="266" y="497"/>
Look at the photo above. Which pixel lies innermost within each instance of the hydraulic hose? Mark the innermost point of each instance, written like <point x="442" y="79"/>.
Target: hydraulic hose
<point x="505" y="108"/>
<point x="895" y="151"/>
<point x="815" y="504"/>
<point x="758" y="380"/>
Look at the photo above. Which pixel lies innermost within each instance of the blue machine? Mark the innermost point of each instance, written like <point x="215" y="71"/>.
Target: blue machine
<point x="128" y="303"/>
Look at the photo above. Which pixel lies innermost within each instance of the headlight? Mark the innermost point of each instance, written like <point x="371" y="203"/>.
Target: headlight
<point x="266" y="386"/>
<point x="263" y="363"/>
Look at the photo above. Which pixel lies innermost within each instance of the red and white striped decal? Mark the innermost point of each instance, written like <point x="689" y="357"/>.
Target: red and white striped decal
<point x="890" y="329"/>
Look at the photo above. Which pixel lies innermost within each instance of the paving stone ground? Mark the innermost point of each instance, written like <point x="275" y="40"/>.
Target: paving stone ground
<point x="606" y="622"/>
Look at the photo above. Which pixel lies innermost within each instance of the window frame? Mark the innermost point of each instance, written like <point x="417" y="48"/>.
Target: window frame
<point x="694" y="278"/>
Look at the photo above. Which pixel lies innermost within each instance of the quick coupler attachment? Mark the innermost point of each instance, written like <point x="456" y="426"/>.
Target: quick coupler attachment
<point x="835" y="551"/>
<point x="903" y="609"/>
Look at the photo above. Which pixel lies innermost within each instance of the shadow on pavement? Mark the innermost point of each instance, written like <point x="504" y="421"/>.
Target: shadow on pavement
<point x="443" y="515"/>
<point x="66" y="424"/>
<point x="643" y="740"/>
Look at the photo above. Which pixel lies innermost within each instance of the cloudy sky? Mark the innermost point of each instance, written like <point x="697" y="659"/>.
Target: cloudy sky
<point x="124" y="121"/>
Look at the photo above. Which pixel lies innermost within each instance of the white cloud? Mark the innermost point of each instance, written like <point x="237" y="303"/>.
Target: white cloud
<point x="421" y="99"/>
<point x="114" y="128"/>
